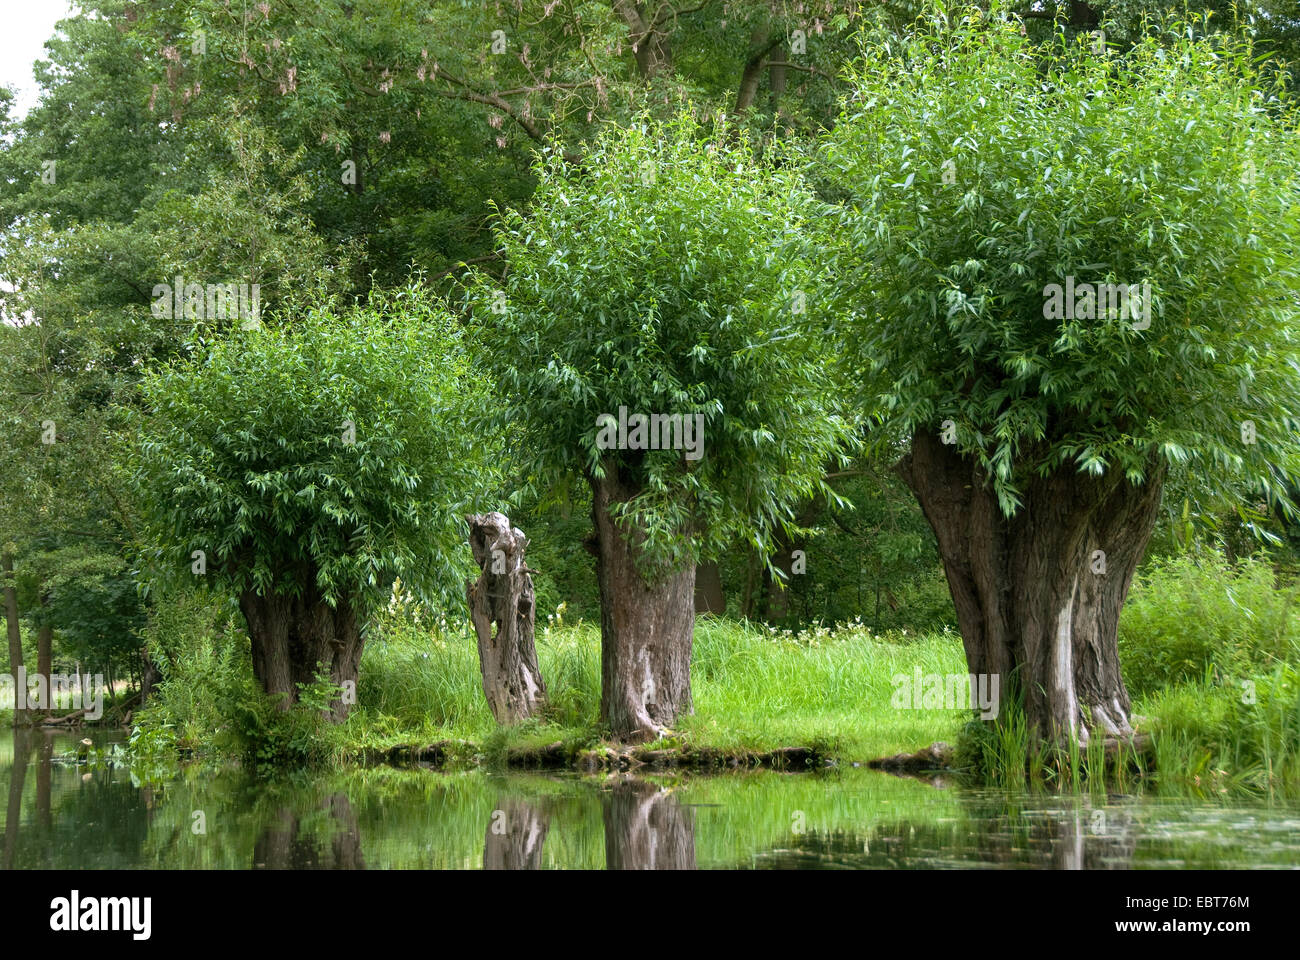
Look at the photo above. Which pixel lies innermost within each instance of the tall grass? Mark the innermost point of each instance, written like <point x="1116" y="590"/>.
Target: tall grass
<point x="754" y="687"/>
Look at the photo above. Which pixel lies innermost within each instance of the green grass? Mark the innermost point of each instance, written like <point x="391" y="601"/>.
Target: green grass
<point x="755" y="688"/>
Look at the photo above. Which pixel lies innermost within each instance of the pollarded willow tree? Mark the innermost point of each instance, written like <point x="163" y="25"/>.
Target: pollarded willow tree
<point x="307" y="466"/>
<point x="1072" y="270"/>
<point x="656" y="337"/>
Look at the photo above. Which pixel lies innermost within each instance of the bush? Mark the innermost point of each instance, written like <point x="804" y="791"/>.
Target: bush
<point x="1189" y="617"/>
<point x="194" y="638"/>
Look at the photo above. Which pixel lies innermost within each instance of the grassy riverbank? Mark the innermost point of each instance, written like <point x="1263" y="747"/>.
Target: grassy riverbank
<point x="755" y="689"/>
<point x="1211" y="654"/>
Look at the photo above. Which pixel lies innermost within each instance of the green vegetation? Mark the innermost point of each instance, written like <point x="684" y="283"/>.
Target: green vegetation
<point x="760" y="687"/>
<point x="834" y="242"/>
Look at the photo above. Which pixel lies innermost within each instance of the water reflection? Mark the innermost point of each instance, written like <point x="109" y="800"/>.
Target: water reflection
<point x="516" y="834"/>
<point x="646" y="828"/>
<point x="61" y="813"/>
<point x="297" y="840"/>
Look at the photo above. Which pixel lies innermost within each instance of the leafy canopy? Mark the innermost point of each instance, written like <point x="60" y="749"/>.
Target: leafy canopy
<point x="670" y="274"/>
<point x="246" y="455"/>
<point x="1174" y="165"/>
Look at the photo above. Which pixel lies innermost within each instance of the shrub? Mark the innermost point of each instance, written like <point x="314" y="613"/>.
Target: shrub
<point x="1187" y="617"/>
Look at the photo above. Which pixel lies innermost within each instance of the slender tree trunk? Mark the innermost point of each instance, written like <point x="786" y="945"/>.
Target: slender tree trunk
<point x="751" y="577"/>
<point x="502" y="608"/>
<point x="709" y="595"/>
<point x="149" y="675"/>
<point x="292" y="635"/>
<point x="15" y="636"/>
<point x="776" y="590"/>
<point x="753" y="70"/>
<point x="646" y="626"/>
<point x="515" y="837"/>
<point x="647" y="829"/>
<point x="1038" y="595"/>
<point x="45" y="657"/>
<point x="648" y="38"/>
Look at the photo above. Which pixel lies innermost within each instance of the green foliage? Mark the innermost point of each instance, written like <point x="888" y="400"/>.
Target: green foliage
<point x="208" y="701"/>
<point x="1172" y="165"/>
<point x="270" y="739"/>
<point x="875" y="561"/>
<point x="194" y="638"/>
<point x="248" y="454"/>
<point x="1220" y="734"/>
<point x="667" y="274"/>
<point x="1189" y="617"/>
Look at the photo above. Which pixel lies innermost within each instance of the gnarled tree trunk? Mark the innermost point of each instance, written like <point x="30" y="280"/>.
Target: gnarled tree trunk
<point x="1038" y="595"/>
<point x="292" y="635"/>
<point x="502" y="608"/>
<point x="646" y="625"/>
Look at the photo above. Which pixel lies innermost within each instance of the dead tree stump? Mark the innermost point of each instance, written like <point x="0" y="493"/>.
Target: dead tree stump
<point x="501" y="607"/>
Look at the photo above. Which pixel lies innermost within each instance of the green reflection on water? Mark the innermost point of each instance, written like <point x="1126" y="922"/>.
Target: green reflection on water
<point x="60" y="814"/>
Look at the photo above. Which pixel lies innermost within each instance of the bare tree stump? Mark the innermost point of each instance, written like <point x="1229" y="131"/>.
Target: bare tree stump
<point x="502" y="598"/>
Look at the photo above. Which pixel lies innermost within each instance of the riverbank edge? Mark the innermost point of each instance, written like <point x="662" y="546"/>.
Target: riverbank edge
<point x="585" y="758"/>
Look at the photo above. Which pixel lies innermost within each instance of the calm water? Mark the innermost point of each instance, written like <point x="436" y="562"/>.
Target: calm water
<point x="63" y="815"/>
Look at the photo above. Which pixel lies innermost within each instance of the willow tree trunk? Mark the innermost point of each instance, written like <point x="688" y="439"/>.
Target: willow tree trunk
<point x="1038" y="595"/>
<point x="291" y="636"/>
<point x="646" y="625"/>
<point x="14" y="635"/>
<point x="502" y="608"/>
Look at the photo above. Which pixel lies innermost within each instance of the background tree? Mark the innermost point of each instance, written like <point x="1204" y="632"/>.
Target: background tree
<point x="981" y="170"/>
<point x="312" y="464"/>
<point x="669" y="275"/>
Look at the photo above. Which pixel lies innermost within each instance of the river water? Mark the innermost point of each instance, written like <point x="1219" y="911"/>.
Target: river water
<point x="64" y="814"/>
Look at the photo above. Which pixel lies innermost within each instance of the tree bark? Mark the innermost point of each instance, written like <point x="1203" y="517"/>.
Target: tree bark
<point x="1038" y="595"/>
<point x="647" y="620"/>
<point x="502" y="608"/>
<point x="292" y="634"/>
<point x="45" y="658"/>
<point x="753" y="69"/>
<point x="648" y="38"/>
<point x="14" y="634"/>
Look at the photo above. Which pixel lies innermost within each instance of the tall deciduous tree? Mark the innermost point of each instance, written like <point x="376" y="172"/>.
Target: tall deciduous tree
<point x="305" y="467"/>
<point x="670" y="278"/>
<point x="991" y="182"/>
